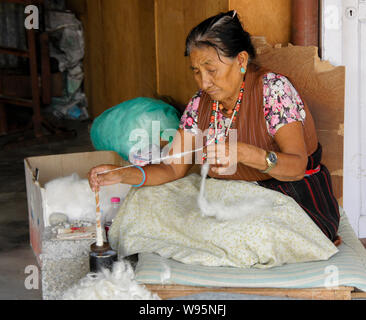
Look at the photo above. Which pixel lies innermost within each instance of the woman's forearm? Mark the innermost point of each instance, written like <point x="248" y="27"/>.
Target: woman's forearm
<point x="290" y="167"/>
<point x="156" y="174"/>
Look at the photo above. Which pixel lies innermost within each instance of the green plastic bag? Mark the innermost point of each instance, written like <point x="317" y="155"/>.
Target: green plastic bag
<point x="115" y="129"/>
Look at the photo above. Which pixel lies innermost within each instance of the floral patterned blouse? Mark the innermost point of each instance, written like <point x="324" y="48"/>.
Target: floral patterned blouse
<point x="281" y="105"/>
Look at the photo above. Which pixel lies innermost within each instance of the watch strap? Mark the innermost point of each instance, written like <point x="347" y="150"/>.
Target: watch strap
<point x="270" y="165"/>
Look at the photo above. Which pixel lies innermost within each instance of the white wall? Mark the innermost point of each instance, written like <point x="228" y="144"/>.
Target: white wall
<point x="362" y="87"/>
<point x="343" y="42"/>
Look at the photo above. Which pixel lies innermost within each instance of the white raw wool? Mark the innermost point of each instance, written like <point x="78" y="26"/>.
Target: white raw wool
<point x="248" y="204"/>
<point x="117" y="285"/>
<point x="72" y="196"/>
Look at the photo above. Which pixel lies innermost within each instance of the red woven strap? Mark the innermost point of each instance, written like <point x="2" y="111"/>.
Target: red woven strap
<point x="312" y="171"/>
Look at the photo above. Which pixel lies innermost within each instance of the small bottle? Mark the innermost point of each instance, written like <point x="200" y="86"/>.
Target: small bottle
<point x="111" y="213"/>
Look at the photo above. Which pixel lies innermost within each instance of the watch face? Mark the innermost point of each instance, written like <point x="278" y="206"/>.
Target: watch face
<point x="272" y="157"/>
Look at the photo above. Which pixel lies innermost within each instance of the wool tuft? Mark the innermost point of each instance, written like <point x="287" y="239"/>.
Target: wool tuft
<point x="73" y="197"/>
<point x="249" y="204"/>
<point x="120" y="284"/>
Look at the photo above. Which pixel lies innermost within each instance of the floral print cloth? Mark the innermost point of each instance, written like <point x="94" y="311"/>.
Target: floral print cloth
<point x="281" y="105"/>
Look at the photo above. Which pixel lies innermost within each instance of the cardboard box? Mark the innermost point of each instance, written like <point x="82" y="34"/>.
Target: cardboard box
<point x="49" y="168"/>
<point x="62" y="262"/>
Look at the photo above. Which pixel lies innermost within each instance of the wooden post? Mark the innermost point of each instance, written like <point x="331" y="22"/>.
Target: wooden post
<point x="3" y="123"/>
<point x="37" y="118"/>
<point x="45" y="69"/>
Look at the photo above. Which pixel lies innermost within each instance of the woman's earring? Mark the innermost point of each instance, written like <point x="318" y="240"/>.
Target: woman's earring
<point x="242" y="70"/>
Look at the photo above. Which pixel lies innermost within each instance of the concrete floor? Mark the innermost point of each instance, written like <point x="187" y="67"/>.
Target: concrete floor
<point x="15" y="251"/>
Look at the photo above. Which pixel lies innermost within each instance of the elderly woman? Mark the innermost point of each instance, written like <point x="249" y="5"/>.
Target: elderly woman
<point x="277" y="145"/>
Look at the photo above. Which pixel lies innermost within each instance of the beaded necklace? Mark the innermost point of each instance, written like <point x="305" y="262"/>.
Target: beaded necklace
<point x="216" y="107"/>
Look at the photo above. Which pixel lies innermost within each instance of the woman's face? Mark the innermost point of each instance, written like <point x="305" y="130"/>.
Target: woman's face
<point x="221" y="79"/>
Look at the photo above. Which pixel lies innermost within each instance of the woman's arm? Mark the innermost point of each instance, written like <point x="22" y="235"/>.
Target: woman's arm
<point x="292" y="159"/>
<point x="156" y="174"/>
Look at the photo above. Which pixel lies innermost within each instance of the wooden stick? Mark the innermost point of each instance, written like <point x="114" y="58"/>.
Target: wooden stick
<point x="98" y="223"/>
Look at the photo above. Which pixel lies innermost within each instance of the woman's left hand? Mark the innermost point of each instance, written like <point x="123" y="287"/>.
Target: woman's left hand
<point x="223" y="158"/>
<point x="97" y="178"/>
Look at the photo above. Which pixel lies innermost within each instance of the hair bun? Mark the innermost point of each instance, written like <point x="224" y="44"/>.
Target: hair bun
<point x="224" y="32"/>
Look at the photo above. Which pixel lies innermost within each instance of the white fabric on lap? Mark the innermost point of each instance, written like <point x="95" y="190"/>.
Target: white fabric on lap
<point x="166" y="220"/>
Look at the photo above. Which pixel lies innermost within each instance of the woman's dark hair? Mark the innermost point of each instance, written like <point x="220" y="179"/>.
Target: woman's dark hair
<point x="224" y="32"/>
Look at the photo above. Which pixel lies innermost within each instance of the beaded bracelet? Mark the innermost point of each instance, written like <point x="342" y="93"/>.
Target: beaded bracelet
<point x="143" y="179"/>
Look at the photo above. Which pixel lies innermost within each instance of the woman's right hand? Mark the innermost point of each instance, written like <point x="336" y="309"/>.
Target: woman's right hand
<point x="98" y="179"/>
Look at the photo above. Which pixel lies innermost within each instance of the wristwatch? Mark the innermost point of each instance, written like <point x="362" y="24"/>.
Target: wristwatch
<point x="271" y="159"/>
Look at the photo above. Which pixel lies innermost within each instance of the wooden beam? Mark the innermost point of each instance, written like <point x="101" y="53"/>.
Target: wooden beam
<point x="45" y="69"/>
<point x="3" y="122"/>
<point x="25" y="2"/>
<point x="16" y="101"/>
<point x="174" y="291"/>
<point x="14" y="51"/>
<point x="358" y="295"/>
<point x="33" y="66"/>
